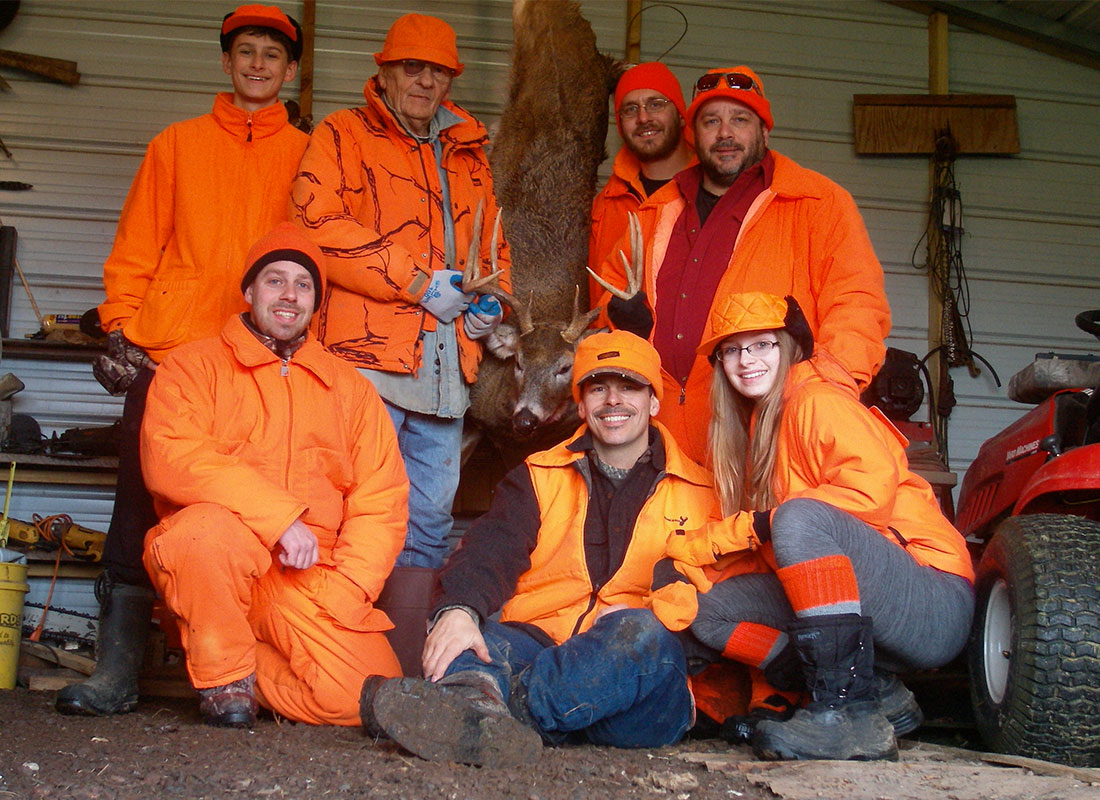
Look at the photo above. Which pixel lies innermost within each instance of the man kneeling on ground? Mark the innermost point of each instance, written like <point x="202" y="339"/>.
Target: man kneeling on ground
<point x="566" y="554"/>
<point x="282" y="501"/>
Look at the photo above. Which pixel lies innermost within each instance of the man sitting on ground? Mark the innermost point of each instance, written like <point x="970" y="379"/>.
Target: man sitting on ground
<point x="566" y="554"/>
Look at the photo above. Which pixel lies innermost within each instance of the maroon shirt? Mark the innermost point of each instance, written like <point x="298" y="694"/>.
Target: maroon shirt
<point x="696" y="260"/>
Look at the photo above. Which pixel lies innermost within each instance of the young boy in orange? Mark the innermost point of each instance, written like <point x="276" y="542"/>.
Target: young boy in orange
<point x="206" y="190"/>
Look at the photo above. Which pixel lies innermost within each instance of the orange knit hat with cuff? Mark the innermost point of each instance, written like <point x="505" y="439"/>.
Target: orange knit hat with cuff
<point x="617" y="353"/>
<point x="753" y="97"/>
<point x="755" y="311"/>
<point x="423" y="38"/>
<point x="287" y="242"/>
<point x="651" y="75"/>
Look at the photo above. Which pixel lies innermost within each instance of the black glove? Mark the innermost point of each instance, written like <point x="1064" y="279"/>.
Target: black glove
<point x="631" y="315"/>
<point x="116" y="369"/>
<point x="762" y="525"/>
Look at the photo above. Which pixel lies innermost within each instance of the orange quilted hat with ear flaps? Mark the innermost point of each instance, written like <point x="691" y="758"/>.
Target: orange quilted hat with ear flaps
<point x="755" y="311"/>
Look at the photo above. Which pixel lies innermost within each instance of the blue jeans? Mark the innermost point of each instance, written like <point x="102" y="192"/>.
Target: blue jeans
<point x="431" y="448"/>
<point x="622" y="683"/>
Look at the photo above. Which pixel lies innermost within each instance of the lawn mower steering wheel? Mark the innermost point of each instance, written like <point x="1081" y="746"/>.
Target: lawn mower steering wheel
<point x="1089" y="322"/>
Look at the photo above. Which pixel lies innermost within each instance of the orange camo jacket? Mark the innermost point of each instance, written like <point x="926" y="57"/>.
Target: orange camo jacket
<point x="207" y="189"/>
<point x="804" y="237"/>
<point x="370" y="196"/>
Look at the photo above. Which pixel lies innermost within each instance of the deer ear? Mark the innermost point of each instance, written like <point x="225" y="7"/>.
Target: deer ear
<point x="503" y="342"/>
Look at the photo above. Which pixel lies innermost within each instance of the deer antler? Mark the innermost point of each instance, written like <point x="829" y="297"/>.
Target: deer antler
<point x="472" y="280"/>
<point x="580" y="321"/>
<point x="634" y="268"/>
<point x="521" y="311"/>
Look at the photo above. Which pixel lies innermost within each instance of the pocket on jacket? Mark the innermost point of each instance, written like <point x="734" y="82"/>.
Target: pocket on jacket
<point x="161" y="322"/>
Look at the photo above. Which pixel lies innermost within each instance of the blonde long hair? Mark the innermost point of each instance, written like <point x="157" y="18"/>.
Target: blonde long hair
<point x="732" y="451"/>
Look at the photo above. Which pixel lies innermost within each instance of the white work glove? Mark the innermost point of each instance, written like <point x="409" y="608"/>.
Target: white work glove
<point x="482" y="317"/>
<point x="445" y="299"/>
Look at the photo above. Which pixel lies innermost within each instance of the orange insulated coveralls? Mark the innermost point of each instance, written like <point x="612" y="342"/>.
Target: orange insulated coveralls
<point x="236" y="445"/>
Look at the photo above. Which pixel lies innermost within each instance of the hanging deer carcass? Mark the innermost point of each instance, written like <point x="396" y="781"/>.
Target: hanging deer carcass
<point x="544" y="160"/>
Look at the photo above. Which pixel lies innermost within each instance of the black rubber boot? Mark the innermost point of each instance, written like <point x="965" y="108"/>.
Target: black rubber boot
<point x="120" y="647"/>
<point x="407" y="598"/>
<point x="843" y="720"/>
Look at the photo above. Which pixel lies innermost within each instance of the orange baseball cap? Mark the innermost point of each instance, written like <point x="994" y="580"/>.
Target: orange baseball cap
<point x="423" y="38"/>
<point x="617" y="353"/>
<point x="258" y="16"/>
<point x="755" y="311"/>
<point x="736" y="83"/>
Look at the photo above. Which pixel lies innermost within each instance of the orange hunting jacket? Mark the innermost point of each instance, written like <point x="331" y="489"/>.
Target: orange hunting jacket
<point x="207" y="189"/>
<point x="370" y="196"/>
<point x="556" y="593"/>
<point x="228" y="422"/>
<point x="833" y="449"/>
<point x="622" y="194"/>
<point x="802" y="236"/>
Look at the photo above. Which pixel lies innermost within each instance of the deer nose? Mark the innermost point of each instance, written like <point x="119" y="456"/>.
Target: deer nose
<point x="524" y="422"/>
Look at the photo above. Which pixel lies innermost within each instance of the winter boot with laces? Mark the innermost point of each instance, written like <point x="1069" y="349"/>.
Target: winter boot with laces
<point x="843" y="721"/>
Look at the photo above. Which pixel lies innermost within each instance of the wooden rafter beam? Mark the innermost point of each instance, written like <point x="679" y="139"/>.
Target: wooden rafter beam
<point x="1019" y="27"/>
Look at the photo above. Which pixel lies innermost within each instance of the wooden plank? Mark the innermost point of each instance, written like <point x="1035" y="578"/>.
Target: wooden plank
<point x="907" y="124"/>
<point x="64" y="658"/>
<point x="56" y="69"/>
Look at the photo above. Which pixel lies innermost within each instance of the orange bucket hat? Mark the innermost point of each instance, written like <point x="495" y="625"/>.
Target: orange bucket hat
<point x="423" y="38"/>
<point x="617" y="353"/>
<point x="286" y="242"/>
<point x="755" y="311"/>
<point x="736" y="83"/>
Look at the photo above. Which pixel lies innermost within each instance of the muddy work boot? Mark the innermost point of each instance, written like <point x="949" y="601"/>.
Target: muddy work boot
<point x="120" y="647"/>
<point x="898" y="704"/>
<point x="230" y="706"/>
<point x="460" y="718"/>
<point x="739" y="729"/>
<point x="843" y="720"/>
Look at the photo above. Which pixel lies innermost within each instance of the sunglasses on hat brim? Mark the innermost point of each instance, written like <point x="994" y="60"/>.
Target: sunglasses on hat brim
<point x="734" y="80"/>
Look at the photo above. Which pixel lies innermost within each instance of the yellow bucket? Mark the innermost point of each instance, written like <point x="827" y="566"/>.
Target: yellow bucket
<point x="13" y="585"/>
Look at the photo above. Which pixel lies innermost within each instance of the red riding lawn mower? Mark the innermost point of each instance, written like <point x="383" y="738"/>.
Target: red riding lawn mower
<point x="1030" y="507"/>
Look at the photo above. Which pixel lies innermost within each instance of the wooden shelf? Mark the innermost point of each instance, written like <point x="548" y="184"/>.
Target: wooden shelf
<point x="51" y="351"/>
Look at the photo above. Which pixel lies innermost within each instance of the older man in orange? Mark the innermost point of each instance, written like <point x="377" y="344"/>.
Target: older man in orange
<point x="390" y="192"/>
<point x="282" y="499"/>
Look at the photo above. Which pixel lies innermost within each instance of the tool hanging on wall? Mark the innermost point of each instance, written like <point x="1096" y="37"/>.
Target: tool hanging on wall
<point x="947" y="276"/>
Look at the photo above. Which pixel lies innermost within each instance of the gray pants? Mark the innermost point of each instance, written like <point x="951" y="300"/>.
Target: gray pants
<point x="921" y="616"/>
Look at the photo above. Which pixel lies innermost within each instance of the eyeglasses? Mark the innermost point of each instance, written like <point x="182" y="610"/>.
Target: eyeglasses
<point x="414" y="66"/>
<point x="734" y="80"/>
<point x="733" y="352"/>
<point x="654" y="105"/>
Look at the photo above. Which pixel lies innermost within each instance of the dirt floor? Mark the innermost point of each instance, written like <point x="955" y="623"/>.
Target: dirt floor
<point x="163" y="751"/>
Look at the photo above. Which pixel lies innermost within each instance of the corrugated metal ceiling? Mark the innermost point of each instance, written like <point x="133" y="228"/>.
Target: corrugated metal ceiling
<point x="1068" y="29"/>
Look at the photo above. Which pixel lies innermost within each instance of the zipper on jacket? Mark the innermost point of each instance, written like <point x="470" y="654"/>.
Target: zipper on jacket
<point x="249" y="124"/>
<point x="683" y="389"/>
<point x="285" y="369"/>
<point x="591" y="604"/>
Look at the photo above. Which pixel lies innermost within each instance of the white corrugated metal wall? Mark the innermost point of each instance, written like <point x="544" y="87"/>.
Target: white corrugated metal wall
<point x="1032" y="242"/>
